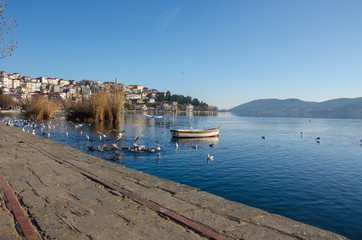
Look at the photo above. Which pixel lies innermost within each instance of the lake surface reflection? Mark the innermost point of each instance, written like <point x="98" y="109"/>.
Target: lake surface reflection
<point x="287" y="173"/>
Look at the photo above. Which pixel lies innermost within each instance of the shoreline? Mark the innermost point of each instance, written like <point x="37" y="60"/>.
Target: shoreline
<point x="33" y="170"/>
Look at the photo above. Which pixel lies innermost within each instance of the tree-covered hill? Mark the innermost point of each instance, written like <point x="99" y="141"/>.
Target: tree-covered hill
<point x="335" y="108"/>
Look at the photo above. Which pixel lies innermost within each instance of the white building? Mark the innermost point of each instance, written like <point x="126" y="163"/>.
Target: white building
<point x="4" y="80"/>
<point x="15" y="83"/>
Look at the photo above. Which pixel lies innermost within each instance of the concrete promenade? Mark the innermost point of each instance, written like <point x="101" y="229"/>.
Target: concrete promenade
<point x="67" y="194"/>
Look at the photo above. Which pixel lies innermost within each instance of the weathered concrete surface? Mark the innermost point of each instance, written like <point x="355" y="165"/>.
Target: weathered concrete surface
<point x="64" y="204"/>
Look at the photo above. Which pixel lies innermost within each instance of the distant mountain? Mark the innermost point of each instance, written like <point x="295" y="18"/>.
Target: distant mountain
<point x="336" y="108"/>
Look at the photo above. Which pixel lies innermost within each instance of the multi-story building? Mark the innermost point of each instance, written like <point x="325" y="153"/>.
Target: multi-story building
<point x="4" y="79"/>
<point x="15" y="83"/>
<point x="63" y="82"/>
<point x="24" y="86"/>
<point x="135" y="88"/>
<point x="53" y="81"/>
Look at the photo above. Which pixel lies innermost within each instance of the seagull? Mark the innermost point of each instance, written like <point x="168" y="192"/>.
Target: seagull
<point x="76" y="125"/>
<point x="102" y="134"/>
<point x="66" y="133"/>
<point x="48" y="135"/>
<point x="158" y="145"/>
<point x="119" y="138"/>
<point x="176" y="144"/>
<point x="100" y="148"/>
<point x="115" y="145"/>
<point x="135" y="142"/>
<point x="119" y="134"/>
<point x="209" y="157"/>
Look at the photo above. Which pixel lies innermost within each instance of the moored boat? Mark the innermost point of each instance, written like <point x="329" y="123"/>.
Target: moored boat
<point x="153" y="116"/>
<point x="195" y="133"/>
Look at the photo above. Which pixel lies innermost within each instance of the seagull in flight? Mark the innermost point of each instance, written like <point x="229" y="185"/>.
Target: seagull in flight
<point x="119" y="134"/>
<point x="135" y="142"/>
<point x="102" y="134"/>
<point x="158" y="145"/>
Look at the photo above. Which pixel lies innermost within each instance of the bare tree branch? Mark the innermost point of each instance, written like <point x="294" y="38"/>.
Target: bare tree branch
<point x="7" y="33"/>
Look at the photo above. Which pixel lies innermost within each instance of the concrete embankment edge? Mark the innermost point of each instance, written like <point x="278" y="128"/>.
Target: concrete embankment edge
<point x="29" y="176"/>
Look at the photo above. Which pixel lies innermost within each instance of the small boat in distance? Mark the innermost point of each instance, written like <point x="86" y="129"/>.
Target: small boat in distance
<point x="195" y="133"/>
<point x="153" y="116"/>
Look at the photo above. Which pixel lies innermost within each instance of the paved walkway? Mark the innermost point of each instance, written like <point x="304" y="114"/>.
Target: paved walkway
<point x="67" y="194"/>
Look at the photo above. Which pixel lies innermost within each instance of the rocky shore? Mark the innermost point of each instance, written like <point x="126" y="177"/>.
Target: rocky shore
<point x="68" y="194"/>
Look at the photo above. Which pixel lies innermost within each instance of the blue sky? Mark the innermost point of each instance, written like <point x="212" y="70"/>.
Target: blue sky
<point x="224" y="53"/>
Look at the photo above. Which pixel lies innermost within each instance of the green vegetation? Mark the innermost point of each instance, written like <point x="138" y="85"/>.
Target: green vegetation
<point x="182" y="100"/>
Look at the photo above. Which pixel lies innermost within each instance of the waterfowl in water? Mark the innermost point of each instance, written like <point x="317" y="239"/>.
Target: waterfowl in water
<point x="158" y="145"/>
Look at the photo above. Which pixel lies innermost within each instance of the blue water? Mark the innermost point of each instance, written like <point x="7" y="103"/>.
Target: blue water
<point x="286" y="173"/>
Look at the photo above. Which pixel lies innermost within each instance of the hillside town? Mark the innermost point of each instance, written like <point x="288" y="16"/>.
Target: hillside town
<point x="137" y="97"/>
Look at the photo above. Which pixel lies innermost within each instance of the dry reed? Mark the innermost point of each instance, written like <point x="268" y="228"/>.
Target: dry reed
<point x="105" y="104"/>
<point x="41" y="108"/>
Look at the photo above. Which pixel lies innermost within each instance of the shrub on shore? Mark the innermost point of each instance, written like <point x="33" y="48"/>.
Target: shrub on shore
<point x="105" y="104"/>
<point x="7" y="102"/>
<point x="41" y="108"/>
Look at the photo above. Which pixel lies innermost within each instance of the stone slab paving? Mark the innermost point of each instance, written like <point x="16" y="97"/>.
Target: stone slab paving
<point x="64" y="204"/>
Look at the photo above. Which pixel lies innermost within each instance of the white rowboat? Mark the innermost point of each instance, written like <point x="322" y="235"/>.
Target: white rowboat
<point x="195" y="133"/>
<point x="153" y="116"/>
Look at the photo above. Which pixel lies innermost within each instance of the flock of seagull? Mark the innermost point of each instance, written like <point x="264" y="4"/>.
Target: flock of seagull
<point x="100" y="145"/>
<point x="317" y="139"/>
<point x="45" y="128"/>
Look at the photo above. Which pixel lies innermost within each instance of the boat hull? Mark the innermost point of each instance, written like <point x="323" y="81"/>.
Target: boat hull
<point x="195" y="133"/>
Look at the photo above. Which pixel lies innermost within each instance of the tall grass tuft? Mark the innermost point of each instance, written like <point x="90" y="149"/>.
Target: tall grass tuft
<point x="104" y="105"/>
<point x="41" y="108"/>
<point x="79" y="111"/>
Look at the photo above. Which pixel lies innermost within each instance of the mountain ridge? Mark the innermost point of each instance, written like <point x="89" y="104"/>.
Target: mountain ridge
<point x="293" y="107"/>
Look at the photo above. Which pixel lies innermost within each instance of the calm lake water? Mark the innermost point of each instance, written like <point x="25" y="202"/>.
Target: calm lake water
<point x="318" y="183"/>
